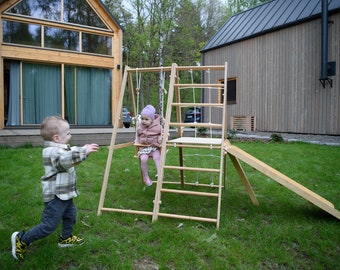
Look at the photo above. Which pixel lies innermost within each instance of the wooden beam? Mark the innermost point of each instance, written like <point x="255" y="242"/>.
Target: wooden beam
<point x="60" y="57"/>
<point x="244" y="179"/>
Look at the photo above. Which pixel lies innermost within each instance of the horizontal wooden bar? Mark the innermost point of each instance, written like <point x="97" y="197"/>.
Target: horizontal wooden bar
<point x="149" y="69"/>
<point x="191" y="169"/>
<point x="199" y="85"/>
<point x="45" y="55"/>
<point x="190" y="184"/>
<point x="179" y="68"/>
<point x="122" y="145"/>
<point x="193" y="146"/>
<point x="201" y="68"/>
<point x="193" y="124"/>
<point x="214" y="220"/>
<point x="189" y="192"/>
<point x="198" y="140"/>
<point x="126" y="211"/>
<point x="197" y="104"/>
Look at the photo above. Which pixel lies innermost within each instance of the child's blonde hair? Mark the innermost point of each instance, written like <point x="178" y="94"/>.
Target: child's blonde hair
<point x="50" y="127"/>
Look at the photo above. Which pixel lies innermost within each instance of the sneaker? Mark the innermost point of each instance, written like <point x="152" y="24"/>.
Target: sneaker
<point x="70" y="241"/>
<point x="19" y="247"/>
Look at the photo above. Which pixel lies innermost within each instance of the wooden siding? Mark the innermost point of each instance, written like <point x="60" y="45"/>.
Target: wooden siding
<point x="54" y="56"/>
<point x="46" y="55"/>
<point x="278" y="79"/>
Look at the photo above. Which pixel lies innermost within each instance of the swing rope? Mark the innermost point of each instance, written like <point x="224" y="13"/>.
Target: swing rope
<point x="162" y="91"/>
<point x="138" y="81"/>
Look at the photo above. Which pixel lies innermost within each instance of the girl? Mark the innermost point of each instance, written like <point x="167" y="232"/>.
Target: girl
<point x="149" y="134"/>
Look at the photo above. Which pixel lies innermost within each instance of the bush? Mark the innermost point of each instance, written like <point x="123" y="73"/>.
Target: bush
<point x="277" y="138"/>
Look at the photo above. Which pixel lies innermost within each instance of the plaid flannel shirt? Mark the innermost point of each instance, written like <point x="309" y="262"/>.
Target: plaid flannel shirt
<point x="60" y="173"/>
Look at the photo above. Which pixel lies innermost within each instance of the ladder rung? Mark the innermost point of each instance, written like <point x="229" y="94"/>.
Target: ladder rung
<point x="126" y="211"/>
<point x="197" y="140"/>
<point x="190" y="184"/>
<point x="221" y="105"/>
<point x="199" y="85"/>
<point x="193" y="146"/>
<point x="191" y="169"/>
<point x="189" y="192"/>
<point x="207" y="125"/>
<point x="188" y="217"/>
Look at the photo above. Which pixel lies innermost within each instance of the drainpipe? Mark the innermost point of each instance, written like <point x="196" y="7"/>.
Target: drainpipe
<point x="324" y="44"/>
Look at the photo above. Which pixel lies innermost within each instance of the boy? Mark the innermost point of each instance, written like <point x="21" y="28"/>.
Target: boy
<point x="58" y="187"/>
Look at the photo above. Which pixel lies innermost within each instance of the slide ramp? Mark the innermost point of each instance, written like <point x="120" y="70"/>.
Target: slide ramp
<point x="282" y="179"/>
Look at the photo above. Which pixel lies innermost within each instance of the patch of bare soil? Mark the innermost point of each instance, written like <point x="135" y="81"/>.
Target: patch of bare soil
<point x="145" y="264"/>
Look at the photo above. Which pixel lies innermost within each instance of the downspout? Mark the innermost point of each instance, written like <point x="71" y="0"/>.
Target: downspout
<point x="324" y="44"/>
<point x="203" y="81"/>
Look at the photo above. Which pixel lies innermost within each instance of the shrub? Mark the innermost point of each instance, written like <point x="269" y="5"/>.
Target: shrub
<point x="277" y="138"/>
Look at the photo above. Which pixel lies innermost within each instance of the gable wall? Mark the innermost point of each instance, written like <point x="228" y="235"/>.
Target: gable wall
<point x="45" y="55"/>
<point x="278" y="79"/>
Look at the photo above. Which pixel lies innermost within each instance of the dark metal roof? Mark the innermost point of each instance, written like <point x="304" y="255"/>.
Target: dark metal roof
<point x="267" y="17"/>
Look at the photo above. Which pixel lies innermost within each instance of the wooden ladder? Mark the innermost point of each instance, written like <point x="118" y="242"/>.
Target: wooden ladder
<point x="217" y="142"/>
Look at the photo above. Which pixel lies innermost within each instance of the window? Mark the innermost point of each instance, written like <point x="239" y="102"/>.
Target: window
<point x="63" y="39"/>
<point x="21" y="33"/>
<point x="231" y="95"/>
<point x="41" y="34"/>
<point x="96" y="44"/>
<point x="75" y="11"/>
<point x="79" y="12"/>
<point x="49" y="9"/>
<point x="36" y="91"/>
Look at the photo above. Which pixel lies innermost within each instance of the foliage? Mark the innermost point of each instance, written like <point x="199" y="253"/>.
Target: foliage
<point x="276" y="138"/>
<point x="283" y="232"/>
<point x="231" y="134"/>
<point x="162" y="32"/>
<point x="202" y="131"/>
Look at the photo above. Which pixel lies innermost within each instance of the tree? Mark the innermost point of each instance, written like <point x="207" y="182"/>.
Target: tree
<point x="236" y="6"/>
<point x="161" y="32"/>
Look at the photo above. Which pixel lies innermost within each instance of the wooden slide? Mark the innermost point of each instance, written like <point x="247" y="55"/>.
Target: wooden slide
<point x="237" y="153"/>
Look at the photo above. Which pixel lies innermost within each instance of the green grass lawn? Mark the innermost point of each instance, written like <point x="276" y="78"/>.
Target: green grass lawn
<point x="283" y="232"/>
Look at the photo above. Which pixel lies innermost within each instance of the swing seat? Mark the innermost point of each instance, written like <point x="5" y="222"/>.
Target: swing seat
<point x="136" y="149"/>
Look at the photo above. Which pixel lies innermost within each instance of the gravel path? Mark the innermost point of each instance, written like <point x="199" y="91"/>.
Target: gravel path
<point x="290" y="137"/>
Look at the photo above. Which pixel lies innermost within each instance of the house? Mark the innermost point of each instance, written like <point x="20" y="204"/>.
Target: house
<point x="59" y="58"/>
<point x="283" y="67"/>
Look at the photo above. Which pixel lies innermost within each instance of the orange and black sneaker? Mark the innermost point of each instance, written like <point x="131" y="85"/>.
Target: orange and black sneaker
<point x="70" y="241"/>
<point x="19" y="247"/>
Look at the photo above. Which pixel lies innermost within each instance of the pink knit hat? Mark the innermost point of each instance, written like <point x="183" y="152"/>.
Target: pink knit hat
<point x="149" y="110"/>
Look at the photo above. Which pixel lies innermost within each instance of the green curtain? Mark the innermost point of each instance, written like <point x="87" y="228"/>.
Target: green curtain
<point x="41" y="91"/>
<point x="87" y="94"/>
<point x="14" y="95"/>
<point x="93" y="95"/>
<point x="69" y="84"/>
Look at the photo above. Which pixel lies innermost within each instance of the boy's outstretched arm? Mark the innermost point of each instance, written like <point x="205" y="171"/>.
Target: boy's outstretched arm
<point x="90" y="148"/>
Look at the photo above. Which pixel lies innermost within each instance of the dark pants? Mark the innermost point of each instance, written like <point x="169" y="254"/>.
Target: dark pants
<point x="55" y="211"/>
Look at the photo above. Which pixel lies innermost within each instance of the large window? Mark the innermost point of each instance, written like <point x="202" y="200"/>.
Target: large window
<point x="74" y="11"/>
<point x="96" y="44"/>
<point x="87" y="95"/>
<point x="21" y="33"/>
<point x="61" y="39"/>
<point x="76" y="14"/>
<point x="35" y="91"/>
<point x="231" y="93"/>
<point x="41" y="92"/>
